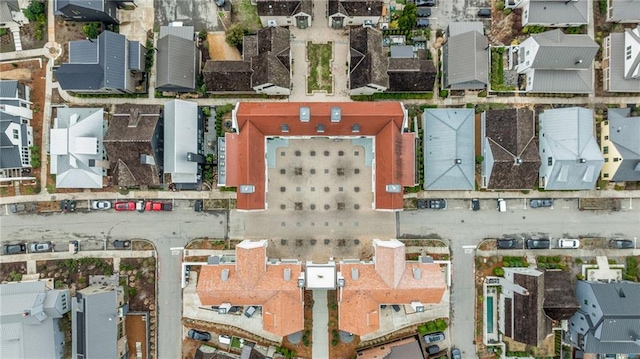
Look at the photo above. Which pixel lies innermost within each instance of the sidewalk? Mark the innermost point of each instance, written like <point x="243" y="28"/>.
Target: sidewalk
<point x="82" y="254"/>
<point x="520" y="194"/>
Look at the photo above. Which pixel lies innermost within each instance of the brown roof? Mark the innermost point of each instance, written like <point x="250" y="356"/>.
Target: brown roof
<point x="395" y="151"/>
<point x="227" y="76"/>
<point x="249" y="47"/>
<point x="411" y="75"/>
<point x="559" y="297"/>
<point x="401" y="349"/>
<point x="273" y="39"/>
<point x="511" y="136"/>
<point x="130" y="134"/>
<point x="253" y="281"/>
<point x="356" y="7"/>
<point x="283" y="7"/>
<point x="530" y="325"/>
<point x="368" y="64"/>
<point x="268" y="69"/>
<point x="389" y="280"/>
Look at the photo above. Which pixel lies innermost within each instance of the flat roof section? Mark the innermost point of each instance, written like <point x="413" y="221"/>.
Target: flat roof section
<point x="321" y="276"/>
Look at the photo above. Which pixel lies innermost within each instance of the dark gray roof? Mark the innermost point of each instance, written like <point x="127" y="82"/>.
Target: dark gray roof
<point x="466" y="65"/>
<point x="185" y="32"/>
<point x="356" y="7"/>
<point x="621" y="78"/>
<point x="368" y="63"/>
<point x="227" y="76"/>
<point x="562" y="81"/>
<point x="9" y="154"/>
<point x="267" y="68"/>
<point x="625" y="10"/>
<point x="283" y="7"/>
<point x="411" y="75"/>
<point x="137" y="56"/>
<point x="401" y="51"/>
<point x="83" y="52"/>
<point x="92" y="5"/>
<point x="80" y="77"/>
<point x="249" y="47"/>
<point x="624" y="133"/>
<point x="558" y="12"/>
<point x="176" y="64"/>
<point x="96" y="314"/>
<point x="558" y="51"/>
<point x="8" y="88"/>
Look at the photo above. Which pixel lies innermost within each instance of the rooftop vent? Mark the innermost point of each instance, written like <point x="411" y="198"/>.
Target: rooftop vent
<point x="518" y="161"/>
<point x="305" y="114"/>
<point x="354" y="273"/>
<point x="394" y="188"/>
<point x="458" y="161"/>
<point x="147" y="160"/>
<point x="284" y="127"/>
<point x="426" y="259"/>
<point x="213" y="260"/>
<point x="340" y="282"/>
<point x="336" y="114"/>
<point x="224" y="275"/>
<point x="355" y="128"/>
<point x="287" y="274"/>
<point x="320" y="128"/>
<point x="300" y="282"/>
<point x="621" y="293"/>
<point x="582" y="160"/>
<point x="247" y="188"/>
<point x="416" y="273"/>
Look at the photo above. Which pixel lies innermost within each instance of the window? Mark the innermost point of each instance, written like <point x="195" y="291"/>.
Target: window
<point x="586" y="302"/>
<point x="606" y="159"/>
<point x="606" y="138"/>
<point x="605" y="149"/>
<point x="629" y="52"/>
<point x="16" y="134"/>
<point x="606" y="175"/>
<point x="549" y="161"/>
<point x="615" y="159"/>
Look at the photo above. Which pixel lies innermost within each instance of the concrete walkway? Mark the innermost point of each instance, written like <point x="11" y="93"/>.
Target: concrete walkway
<point x="85" y="254"/>
<point x="320" y="333"/>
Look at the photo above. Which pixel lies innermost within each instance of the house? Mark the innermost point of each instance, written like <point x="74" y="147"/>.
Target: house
<point x="16" y="133"/>
<point x="552" y="13"/>
<point x="104" y="11"/>
<point x="178" y="59"/>
<point x="77" y="152"/>
<point x="354" y="13"/>
<point x="97" y="316"/>
<point x="554" y="62"/>
<point x="134" y="145"/>
<point x="254" y="280"/>
<point x="265" y="66"/>
<point x="296" y="13"/>
<point x="381" y="128"/>
<point x="109" y="64"/>
<point x="401" y="349"/>
<point x="608" y="321"/>
<point x="29" y="320"/>
<point x="623" y="11"/>
<point x="11" y="15"/>
<point x="387" y="280"/>
<point x="465" y="61"/>
<point x="509" y="149"/>
<point x="569" y="154"/>
<point x="621" y="61"/>
<point x="619" y="142"/>
<point x="407" y="70"/>
<point x="183" y="143"/>
<point x="449" y="152"/>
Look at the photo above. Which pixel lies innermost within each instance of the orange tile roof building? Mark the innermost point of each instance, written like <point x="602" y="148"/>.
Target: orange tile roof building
<point x="253" y="123"/>
<point x="252" y="280"/>
<point x="388" y="279"/>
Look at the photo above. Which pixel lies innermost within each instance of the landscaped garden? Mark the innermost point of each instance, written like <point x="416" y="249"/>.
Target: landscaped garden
<point x="497" y="70"/>
<point x="319" y="58"/>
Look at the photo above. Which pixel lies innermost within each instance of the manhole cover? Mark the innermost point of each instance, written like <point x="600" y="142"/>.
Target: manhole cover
<point x="356" y="153"/>
<point x="283" y="171"/>
<point x="356" y="206"/>
<point x="356" y="171"/>
<point x="283" y="206"/>
<point x="356" y="189"/>
<point x="313" y="206"/>
<point x="298" y="153"/>
<point x="326" y="153"/>
<point x="340" y="153"/>
<point x="312" y="171"/>
<point x="326" y="207"/>
<point x="313" y="242"/>
<point x="326" y="241"/>
<point x="283" y="189"/>
<point x="356" y="241"/>
<point x="312" y="153"/>
<point x="326" y="189"/>
<point x="283" y="242"/>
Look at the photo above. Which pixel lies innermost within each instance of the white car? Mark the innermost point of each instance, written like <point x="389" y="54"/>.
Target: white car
<point x="98" y="205"/>
<point x="565" y="243"/>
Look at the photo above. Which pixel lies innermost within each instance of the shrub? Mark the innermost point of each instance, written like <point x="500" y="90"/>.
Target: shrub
<point x="34" y="8"/>
<point x="441" y="325"/>
<point x="444" y="93"/>
<point x="334" y="342"/>
<point x="479" y="159"/>
<point x="90" y="30"/>
<point x="235" y="35"/>
<point x="498" y="272"/>
<point x="35" y="156"/>
<point x="4" y="31"/>
<point x="580" y="276"/>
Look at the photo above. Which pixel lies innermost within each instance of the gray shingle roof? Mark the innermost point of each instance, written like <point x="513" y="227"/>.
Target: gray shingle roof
<point x="93" y="5"/>
<point x="411" y="75"/>
<point x="356" y="7"/>
<point x="624" y="133"/>
<point x="6" y="6"/>
<point x="10" y="156"/>
<point x="279" y="7"/>
<point x="625" y="10"/>
<point x="566" y="136"/>
<point x="227" y="75"/>
<point x="466" y="63"/>
<point x="449" y="136"/>
<point x="184" y="32"/>
<point x="367" y="62"/>
<point x="558" y="12"/>
<point x="176" y="64"/>
<point x="559" y="51"/>
<point x="620" y="79"/>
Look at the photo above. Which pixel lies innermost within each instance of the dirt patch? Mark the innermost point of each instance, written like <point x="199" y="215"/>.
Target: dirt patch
<point x="16" y="74"/>
<point x="218" y="244"/>
<point x="28" y="38"/>
<point x="67" y="31"/>
<point x="141" y="283"/>
<point x="6" y="43"/>
<point x="12" y="272"/>
<point x="505" y="28"/>
<point x="136" y="329"/>
<point x="142" y="245"/>
<point x="7" y="191"/>
<point x="224" y="329"/>
<point x="219" y="49"/>
<point x="74" y="273"/>
<point x="189" y="348"/>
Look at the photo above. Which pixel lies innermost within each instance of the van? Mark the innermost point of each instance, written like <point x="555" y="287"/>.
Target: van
<point x="250" y="311"/>
<point x="484" y="12"/>
<point x="567" y="243"/>
<point x="502" y="205"/>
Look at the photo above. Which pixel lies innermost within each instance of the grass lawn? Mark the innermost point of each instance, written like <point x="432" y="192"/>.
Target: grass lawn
<point x="247" y="14"/>
<point x="319" y="78"/>
<point x="497" y="70"/>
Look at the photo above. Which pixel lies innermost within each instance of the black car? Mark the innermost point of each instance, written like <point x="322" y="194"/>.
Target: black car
<point x="122" y="244"/>
<point x="424" y="11"/>
<point x="396" y="307"/>
<point x="507" y="243"/>
<point x="197" y="206"/>
<point x="14" y="249"/>
<point x="621" y="243"/>
<point x="541" y="202"/>
<point x="538" y="243"/>
<point x="432" y="204"/>
<point x="475" y="204"/>
<point x="68" y="205"/>
<point x="199" y="335"/>
<point x="433" y="349"/>
<point x="425" y="2"/>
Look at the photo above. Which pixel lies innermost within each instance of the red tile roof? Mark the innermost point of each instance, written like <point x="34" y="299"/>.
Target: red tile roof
<point x="389" y="280"/>
<point x="395" y="151"/>
<point x="253" y="281"/>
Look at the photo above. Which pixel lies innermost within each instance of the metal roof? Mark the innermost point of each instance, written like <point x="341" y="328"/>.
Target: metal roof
<point x="180" y="137"/>
<point x="461" y="27"/>
<point x="401" y="51"/>
<point x="95" y="324"/>
<point x="625" y="10"/>
<point x="8" y="88"/>
<point x="10" y="156"/>
<point x="559" y="51"/>
<point x="624" y="133"/>
<point x="137" y="56"/>
<point x="558" y="12"/>
<point x="567" y="139"/>
<point x="83" y="52"/>
<point x="176" y="64"/>
<point x="449" y="152"/>
<point x="466" y="62"/>
<point x="184" y="32"/>
<point x="92" y="4"/>
<point x="562" y="81"/>
<point x="620" y="80"/>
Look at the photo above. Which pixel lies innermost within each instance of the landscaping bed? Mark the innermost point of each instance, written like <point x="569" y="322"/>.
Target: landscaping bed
<point x="12" y="272"/>
<point x="319" y="57"/>
<point x="74" y="273"/>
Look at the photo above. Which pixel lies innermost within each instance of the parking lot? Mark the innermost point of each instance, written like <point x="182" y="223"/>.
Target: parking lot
<point x="202" y="14"/>
<point x="447" y="11"/>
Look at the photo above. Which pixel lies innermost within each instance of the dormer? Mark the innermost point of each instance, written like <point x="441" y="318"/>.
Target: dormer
<point x="632" y="53"/>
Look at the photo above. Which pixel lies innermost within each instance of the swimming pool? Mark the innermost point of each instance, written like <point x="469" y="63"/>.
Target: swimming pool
<point x="490" y="315"/>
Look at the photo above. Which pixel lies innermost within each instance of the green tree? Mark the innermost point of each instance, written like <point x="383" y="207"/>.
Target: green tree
<point x="235" y="35"/>
<point x="35" y="7"/>
<point x="90" y="30"/>
<point x="408" y="18"/>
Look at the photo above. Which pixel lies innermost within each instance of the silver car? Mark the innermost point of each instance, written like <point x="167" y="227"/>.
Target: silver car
<point x="40" y="247"/>
<point x="100" y="205"/>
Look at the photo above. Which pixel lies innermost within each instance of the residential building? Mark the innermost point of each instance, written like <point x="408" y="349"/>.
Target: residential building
<point x="386" y="280"/>
<point x="183" y="143"/>
<point x="401" y="349"/>
<point x="265" y="66"/>
<point x="178" y="59"/>
<point x="608" y="321"/>
<point x="108" y="64"/>
<point x="255" y="280"/>
<point x="134" y="145"/>
<point x="449" y="149"/>
<point x="11" y="15"/>
<point x="623" y="11"/>
<point x="557" y="63"/>
<point x="569" y="153"/>
<point x="82" y="10"/>
<point x="16" y="133"/>
<point x="298" y="13"/>
<point x="354" y="13"/>
<point x="29" y="320"/>
<point x="380" y="128"/>
<point x="97" y="316"/>
<point x="621" y="61"/>
<point x="465" y="60"/>
<point x="509" y="149"/>
<point x="620" y="144"/>
<point x="76" y="146"/>
<point x="552" y="13"/>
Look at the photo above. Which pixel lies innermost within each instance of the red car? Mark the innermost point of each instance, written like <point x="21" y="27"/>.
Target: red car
<point x="125" y="206"/>
<point x="157" y="206"/>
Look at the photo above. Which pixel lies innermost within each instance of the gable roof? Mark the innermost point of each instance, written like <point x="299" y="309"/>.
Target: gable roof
<point x="562" y="81"/>
<point x="558" y="12"/>
<point x="10" y="154"/>
<point x="511" y="160"/>
<point x="95" y="322"/>
<point x="227" y="75"/>
<point x="560" y="301"/>
<point x="180" y="138"/>
<point x="566" y="135"/>
<point x="558" y="51"/>
<point x="176" y="59"/>
<point x="621" y="71"/>
<point x="466" y="64"/>
<point x="390" y="279"/>
<point x="449" y="137"/>
<point x="367" y="63"/>
<point x="624" y="10"/>
<point x="624" y="132"/>
<point x="530" y="326"/>
<point x="97" y="5"/>
<point x="355" y="7"/>
<point x="411" y="75"/>
<point x="9" y="89"/>
<point x="283" y="7"/>
<point x="461" y="27"/>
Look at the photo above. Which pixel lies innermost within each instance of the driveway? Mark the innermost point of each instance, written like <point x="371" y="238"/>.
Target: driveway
<point x="447" y="11"/>
<point x="135" y="24"/>
<point x="202" y="14"/>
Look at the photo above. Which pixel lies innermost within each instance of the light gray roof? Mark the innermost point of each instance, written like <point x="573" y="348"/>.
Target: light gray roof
<point x="449" y="139"/>
<point x="6" y="6"/>
<point x="624" y="133"/>
<point x="180" y="137"/>
<point x="137" y="54"/>
<point x="566" y="136"/>
<point x="562" y="81"/>
<point x="621" y="80"/>
<point x="95" y="319"/>
<point x="558" y="12"/>
<point x="184" y="32"/>
<point x="176" y="59"/>
<point x="466" y="63"/>
<point x="8" y="88"/>
<point x="559" y="51"/>
<point x="401" y="51"/>
<point x="461" y="27"/>
<point x="625" y="10"/>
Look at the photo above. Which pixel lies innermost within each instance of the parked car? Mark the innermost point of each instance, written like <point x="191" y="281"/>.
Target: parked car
<point x="14" y="249"/>
<point x="74" y="246"/>
<point x="541" y="202"/>
<point x="502" y="205"/>
<point x="424" y="11"/>
<point x="432" y="204"/>
<point x="197" y="205"/>
<point x="23" y="207"/>
<point x="40" y="247"/>
<point x="425" y="2"/>
<point x="422" y="22"/>
<point x="566" y="243"/>
<point x="484" y="12"/>
<point x="250" y="311"/>
<point x="621" y="243"/>
<point x="433" y="349"/>
<point x="507" y="243"/>
<point x="103" y="205"/>
<point x="122" y="244"/>
<point x="220" y="3"/>
<point x="199" y="335"/>
<point x="396" y="307"/>
<point x="158" y="206"/>
<point x="434" y="337"/>
<point x="455" y="353"/>
<point x="538" y="243"/>
<point x="475" y="204"/>
<point x="125" y="206"/>
<point x="68" y="205"/>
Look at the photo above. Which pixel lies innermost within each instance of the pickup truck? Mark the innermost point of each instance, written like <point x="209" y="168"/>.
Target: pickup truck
<point x="158" y="206"/>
